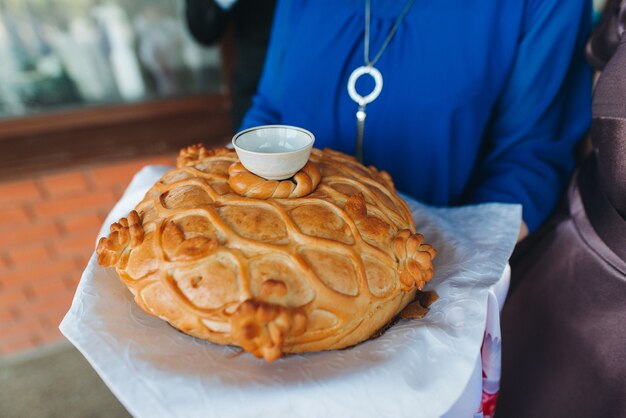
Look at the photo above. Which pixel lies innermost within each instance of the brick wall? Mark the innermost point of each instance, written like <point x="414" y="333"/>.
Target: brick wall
<point x="48" y="227"/>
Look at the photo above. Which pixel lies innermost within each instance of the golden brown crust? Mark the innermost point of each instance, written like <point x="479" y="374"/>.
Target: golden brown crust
<point x="260" y="327"/>
<point x="387" y="179"/>
<point x="248" y="184"/>
<point x="319" y="272"/>
<point x="193" y="154"/>
<point x="427" y="298"/>
<point x="178" y="247"/>
<point x="414" y="259"/>
<point x="413" y="310"/>
<point x="373" y="227"/>
<point x="420" y="306"/>
<point x="125" y="232"/>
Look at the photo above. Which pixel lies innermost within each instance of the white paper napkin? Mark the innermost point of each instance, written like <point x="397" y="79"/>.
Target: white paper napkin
<point x="417" y="368"/>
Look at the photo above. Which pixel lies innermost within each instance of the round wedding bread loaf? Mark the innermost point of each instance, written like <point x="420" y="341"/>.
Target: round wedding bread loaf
<point x="320" y="261"/>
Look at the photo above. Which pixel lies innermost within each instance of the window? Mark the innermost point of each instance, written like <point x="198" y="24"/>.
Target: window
<point x="65" y="54"/>
<point x="85" y="81"/>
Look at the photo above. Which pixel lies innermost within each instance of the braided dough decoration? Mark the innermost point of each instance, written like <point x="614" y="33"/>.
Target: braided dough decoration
<point x="275" y="275"/>
<point x="413" y="258"/>
<point x="194" y="153"/>
<point x="248" y="184"/>
<point x="125" y="232"/>
<point x="260" y="328"/>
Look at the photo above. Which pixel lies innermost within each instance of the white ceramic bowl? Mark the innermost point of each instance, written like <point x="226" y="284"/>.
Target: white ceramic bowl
<point x="274" y="152"/>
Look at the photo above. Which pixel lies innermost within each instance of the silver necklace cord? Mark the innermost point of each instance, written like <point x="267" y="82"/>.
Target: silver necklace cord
<point x="392" y="32"/>
<point x="372" y="71"/>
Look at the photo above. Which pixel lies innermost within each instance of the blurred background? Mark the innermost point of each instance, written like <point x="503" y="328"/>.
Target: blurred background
<point x="90" y="92"/>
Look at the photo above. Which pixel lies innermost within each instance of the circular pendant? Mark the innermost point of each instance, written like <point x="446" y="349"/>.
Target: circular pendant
<point x="378" y="84"/>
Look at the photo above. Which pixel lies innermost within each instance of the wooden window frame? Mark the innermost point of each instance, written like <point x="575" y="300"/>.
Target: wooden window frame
<point x="57" y="140"/>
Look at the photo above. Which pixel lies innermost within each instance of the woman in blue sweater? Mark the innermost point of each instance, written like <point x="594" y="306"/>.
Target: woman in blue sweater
<point x="480" y="101"/>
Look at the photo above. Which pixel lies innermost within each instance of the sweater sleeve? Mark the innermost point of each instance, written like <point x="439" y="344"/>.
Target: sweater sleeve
<point x="542" y="112"/>
<point x="264" y="109"/>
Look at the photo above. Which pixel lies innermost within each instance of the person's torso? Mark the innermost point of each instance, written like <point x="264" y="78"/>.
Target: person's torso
<point x="442" y="74"/>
